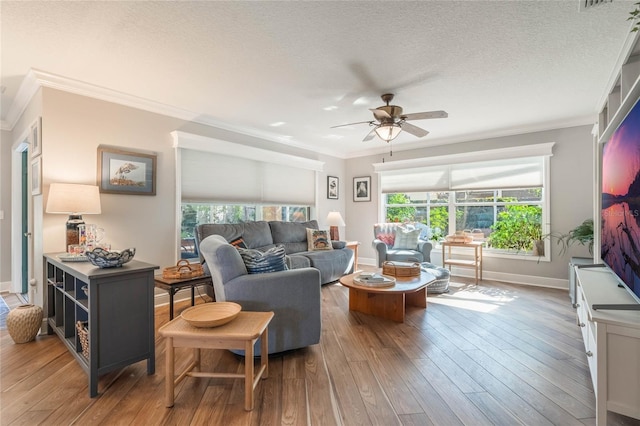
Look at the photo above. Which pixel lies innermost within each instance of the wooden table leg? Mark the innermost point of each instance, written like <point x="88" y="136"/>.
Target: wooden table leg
<point x="169" y="377"/>
<point x="248" y="375"/>
<point x="417" y="298"/>
<point x="264" y="353"/>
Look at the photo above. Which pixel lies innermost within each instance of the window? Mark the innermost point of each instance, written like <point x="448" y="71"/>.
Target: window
<point x="194" y="214"/>
<point x="500" y="193"/>
<point x="509" y="219"/>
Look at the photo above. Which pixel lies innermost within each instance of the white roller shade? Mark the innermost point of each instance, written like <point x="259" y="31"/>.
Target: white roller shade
<point x="512" y="173"/>
<point x="210" y="177"/>
<point x="426" y="179"/>
<point x="507" y="173"/>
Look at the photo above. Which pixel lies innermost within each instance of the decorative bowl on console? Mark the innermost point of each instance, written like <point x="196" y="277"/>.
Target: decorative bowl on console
<point x="110" y="259"/>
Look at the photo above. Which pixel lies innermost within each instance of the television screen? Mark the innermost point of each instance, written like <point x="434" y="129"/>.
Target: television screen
<point x="620" y="237"/>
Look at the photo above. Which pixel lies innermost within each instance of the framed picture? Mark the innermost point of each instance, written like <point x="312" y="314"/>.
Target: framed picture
<point x="36" y="138"/>
<point x="362" y="188"/>
<point x="126" y="172"/>
<point x="36" y="176"/>
<point x="332" y="187"/>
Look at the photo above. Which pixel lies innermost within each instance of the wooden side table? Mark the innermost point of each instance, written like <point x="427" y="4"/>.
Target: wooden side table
<point x="241" y="333"/>
<point x="353" y="245"/>
<point x="475" y="263"/>
<point x="172" y="286"/>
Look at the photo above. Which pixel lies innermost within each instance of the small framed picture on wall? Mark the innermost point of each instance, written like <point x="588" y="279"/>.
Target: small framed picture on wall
<point x="36" y="138"/>
<point x="36" y="176"/>
<point x="362" y="188"/>
<point x="332" y="187"/>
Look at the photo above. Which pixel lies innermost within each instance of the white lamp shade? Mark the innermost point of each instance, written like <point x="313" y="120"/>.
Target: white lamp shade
<point x="335" y="219"/>
<point x="72" y="198"/>
<point x="388" y="132"/>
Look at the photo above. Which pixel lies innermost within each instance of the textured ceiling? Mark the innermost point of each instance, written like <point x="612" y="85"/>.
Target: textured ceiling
<point x="290" y="70"/>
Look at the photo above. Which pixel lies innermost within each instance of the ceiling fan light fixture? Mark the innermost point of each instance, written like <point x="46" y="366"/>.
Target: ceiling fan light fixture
<point x="388" y="131"/>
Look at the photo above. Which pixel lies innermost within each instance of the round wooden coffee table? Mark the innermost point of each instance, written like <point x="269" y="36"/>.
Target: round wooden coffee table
<point x="388" y="302"/>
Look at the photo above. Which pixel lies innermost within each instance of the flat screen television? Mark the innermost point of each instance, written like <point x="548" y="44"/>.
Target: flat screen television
<point x="620" y="215"/>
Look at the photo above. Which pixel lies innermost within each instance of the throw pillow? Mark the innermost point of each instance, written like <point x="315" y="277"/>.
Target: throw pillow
<point x="238" y="243"/>
<point x="387" y="238"/>
<point x="406" y="239"/>
<point x="318" y="240"/>
<point x="257" y="262"/>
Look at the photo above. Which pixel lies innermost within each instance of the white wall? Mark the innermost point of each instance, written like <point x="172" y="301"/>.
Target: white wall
<point x="5" y="208"/>
<point x="571" y="198"/>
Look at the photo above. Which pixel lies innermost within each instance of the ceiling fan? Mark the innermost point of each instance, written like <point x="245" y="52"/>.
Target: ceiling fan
<point x="390" y="121"/>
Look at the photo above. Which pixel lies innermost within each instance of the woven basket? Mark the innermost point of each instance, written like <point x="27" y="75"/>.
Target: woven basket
<point x="83" y="334"/>
<point x="182" y="270"/>
<point x="401" y="269"/>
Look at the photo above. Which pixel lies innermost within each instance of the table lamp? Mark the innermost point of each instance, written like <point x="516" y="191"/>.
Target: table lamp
<point x="334" y="219"/>
<point x="75" y="200"/>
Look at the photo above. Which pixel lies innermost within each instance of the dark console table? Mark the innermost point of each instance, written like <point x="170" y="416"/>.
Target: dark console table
<point x="115" y="303"/>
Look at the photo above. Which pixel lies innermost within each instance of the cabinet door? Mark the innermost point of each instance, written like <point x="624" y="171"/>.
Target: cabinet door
<point x="125" y="329"/>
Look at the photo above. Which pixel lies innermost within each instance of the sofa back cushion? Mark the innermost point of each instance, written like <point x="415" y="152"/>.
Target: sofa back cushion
<point x="254" y="234"/>
<point x="292" y="235"/>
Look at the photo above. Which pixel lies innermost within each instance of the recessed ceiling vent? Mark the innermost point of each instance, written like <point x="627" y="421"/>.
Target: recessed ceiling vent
<point x="588" y="4"/>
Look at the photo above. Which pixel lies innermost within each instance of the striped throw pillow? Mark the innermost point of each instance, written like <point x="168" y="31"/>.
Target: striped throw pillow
<point x="258" y="262"/>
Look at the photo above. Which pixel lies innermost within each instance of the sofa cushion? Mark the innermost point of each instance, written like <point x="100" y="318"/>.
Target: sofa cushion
<point x="256" y="234"/>
<point x="318" y="240"/>
<point x="406" y="238"/>
<point x="257" y="262"/>
<point x="332" y="264"/>
<point x="291" y="232"/>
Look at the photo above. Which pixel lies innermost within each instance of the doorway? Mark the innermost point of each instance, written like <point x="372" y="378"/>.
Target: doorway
<point x="21" y="225"/>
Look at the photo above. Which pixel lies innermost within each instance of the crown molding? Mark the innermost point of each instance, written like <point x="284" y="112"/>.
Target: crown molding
<point x="35" y="79"/>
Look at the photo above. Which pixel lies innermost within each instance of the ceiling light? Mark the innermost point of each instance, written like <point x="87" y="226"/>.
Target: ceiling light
<point x="388" y="131"/>
<point x="277" y="124"/>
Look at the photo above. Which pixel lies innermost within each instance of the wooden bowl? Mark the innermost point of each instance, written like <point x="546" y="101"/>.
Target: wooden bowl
<point x="212" y="314"/>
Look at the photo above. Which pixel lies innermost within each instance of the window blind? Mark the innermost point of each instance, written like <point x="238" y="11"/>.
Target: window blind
<point x="211" y="177"/>
<point x="507" y="173"/>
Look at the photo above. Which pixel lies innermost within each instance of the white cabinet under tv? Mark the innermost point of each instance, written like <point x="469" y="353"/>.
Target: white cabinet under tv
<point x="612" y="342"/>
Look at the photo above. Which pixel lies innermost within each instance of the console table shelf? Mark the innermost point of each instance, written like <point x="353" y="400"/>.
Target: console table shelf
<point x="612" y="342"/>
<point x="117" y="308"/>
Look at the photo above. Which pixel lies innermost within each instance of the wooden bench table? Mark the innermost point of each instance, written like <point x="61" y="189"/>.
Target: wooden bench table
<point x="241" y="333"/>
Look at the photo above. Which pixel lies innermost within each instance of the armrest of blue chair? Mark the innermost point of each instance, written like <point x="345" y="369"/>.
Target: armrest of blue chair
<point x="425" y="248"/>
<point x="381" y="251"/>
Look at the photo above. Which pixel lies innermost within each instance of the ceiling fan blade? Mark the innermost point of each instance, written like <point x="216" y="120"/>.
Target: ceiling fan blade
<point x="379" y="114"/>
<point x="425" y="115"/>
<point x="414" y="130"/>
<point x="351" y="124"/>
<point x="370" y="135"/>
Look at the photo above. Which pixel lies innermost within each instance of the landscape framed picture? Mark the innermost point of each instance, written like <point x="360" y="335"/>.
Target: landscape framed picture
<point x="332" y="187"/>
<point x="126" y="172"/>
<point x="362" y="188"/>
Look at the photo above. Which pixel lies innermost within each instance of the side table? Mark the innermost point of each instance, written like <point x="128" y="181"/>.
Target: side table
<point x="475" y="263"/>
<point x="353" y="245"/>
<point x="172" y="286"/>
<point x="241" y="333"/>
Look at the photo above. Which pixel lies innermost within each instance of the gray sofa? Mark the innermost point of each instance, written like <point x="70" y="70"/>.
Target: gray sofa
<point x="292" y="295"/>
<point x="262" y="235"/>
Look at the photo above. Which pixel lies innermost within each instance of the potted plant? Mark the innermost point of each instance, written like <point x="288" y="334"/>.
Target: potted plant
<point x="581" y="234"/>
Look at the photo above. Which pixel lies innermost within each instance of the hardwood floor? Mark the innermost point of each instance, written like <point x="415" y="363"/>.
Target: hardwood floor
<point x="488" y="354"/>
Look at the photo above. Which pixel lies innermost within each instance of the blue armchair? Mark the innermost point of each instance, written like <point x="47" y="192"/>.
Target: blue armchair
<point x="393" y="242"/>
<point x="292" y="295"/>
